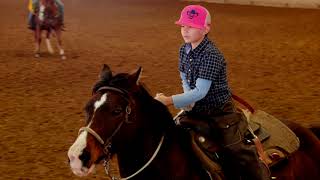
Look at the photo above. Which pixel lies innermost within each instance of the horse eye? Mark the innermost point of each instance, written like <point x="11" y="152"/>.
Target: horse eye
<point x="117" y="111"/>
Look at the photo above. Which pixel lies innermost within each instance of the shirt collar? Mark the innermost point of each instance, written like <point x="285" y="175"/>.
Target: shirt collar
<point x="199" y="48"/>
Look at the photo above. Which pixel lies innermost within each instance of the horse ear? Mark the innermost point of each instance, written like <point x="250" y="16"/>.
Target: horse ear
<point x="134" y="77"/>
<point x="105" y="73"/>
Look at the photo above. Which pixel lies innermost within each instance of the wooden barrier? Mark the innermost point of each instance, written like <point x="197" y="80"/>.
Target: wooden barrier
<point x="313" y="4"/>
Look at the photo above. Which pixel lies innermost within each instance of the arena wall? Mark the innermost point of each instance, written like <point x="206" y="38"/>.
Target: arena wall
<point x="314" y="4"/>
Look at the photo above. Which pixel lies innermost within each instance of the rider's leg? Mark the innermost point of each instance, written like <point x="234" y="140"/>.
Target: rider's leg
<point x="31" y="13"/>
<point x="238" y="154"/>
<point x="30" y="19"/>
<point x="238" y="158"/>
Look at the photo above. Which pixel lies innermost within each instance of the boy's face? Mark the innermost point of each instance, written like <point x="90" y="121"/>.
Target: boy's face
<point x="193" y="35"/>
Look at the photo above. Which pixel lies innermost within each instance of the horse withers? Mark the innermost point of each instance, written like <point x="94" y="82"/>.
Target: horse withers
<point x="47" y="18"/>
<point x="124" y="119"/>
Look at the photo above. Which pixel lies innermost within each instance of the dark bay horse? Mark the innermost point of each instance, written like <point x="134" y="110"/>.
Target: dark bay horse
<point x="48" y="18"/>
<point x="123" y="118"/>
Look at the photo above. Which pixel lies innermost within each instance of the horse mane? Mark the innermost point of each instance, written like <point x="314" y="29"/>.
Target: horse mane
<point x="155" y="108"/>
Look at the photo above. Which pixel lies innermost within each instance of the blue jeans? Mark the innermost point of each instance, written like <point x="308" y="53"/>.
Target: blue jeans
<point x="30" y="18"/>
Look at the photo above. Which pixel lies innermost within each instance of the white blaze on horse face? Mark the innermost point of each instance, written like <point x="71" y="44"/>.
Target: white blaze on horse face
<point x="41" y="13"/>
<point x="100" y="102"/>
<point x="76" y="150"/>
<point x="80" y="144"/>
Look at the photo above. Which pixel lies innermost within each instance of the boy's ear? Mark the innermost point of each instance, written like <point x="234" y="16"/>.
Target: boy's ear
<point x="105" y="73"/>
<point x="207" y="29"/>
<point x="135" y="77"/>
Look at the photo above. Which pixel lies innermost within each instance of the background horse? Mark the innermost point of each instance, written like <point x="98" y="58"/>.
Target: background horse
<point x="47" y="18"/>
<point x="123" y="118"/>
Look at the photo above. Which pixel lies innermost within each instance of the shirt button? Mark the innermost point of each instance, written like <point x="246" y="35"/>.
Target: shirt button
<point x="189" y="70"/>
<point x="190" y="60"/>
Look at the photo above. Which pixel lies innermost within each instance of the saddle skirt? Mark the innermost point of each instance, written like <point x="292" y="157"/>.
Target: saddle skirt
<point x="282" y="141"/>
<point x="277" y="139"/>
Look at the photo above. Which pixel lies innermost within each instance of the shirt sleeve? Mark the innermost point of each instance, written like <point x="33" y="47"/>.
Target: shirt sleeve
<point x="194" y="95"/>
<point x="184" y="81"/>
<point x="211" y="66"/>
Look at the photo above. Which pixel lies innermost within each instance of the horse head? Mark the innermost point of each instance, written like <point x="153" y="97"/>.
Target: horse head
<point x="111" y="120"/>
<point x="48" y="10"/>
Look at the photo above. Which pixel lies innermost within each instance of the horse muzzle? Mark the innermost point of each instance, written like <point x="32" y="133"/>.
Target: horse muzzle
<point x="78" y="169"/>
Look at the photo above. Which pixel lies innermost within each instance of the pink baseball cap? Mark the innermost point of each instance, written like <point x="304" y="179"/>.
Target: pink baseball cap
<point x="193" y="16"/>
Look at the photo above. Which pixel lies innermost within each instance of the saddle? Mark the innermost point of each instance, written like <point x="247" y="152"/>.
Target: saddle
<point x="277" y="140"/>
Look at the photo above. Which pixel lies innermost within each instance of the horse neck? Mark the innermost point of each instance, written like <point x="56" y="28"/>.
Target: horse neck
<point x="137" y="155"/>
<point x="174" y="153"/>
<point x="143" y="146"/>
<point x="175" y="158"/>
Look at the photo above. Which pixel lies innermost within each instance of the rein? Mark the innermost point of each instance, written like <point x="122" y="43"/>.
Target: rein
<point x="107" y="144"/>
<point x="143" y="167"/>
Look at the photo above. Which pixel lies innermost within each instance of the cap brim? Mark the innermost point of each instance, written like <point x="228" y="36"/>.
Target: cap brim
<point x="189" y="24"/>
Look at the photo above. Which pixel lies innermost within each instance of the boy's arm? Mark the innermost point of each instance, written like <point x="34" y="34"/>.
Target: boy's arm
<point x="187" y="98"/>
<point x="192" y="96"/>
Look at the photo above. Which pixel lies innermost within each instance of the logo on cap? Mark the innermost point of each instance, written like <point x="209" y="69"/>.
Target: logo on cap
<point x="191" y="14"/>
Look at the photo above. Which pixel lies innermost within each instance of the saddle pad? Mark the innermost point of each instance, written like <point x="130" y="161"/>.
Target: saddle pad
<point x="281" y="135"/>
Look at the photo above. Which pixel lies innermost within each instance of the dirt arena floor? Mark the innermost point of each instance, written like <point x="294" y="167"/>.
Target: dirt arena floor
<point x="273" y="57"/>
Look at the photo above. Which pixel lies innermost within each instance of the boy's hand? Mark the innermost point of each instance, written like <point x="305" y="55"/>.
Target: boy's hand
<point x="166" y="100"/>
<point x="188" y="108"/>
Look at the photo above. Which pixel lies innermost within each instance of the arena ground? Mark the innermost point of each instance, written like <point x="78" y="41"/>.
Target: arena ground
<point x="272" y="54"/>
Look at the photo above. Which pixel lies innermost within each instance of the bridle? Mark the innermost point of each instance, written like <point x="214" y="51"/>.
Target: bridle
<point x="108" y="143"/>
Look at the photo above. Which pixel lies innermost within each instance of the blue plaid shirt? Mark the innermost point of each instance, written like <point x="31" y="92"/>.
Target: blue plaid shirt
<point x="205" y="62"/>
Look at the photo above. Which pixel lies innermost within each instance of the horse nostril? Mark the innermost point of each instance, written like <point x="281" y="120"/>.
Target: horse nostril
<point x="85" y="157"/>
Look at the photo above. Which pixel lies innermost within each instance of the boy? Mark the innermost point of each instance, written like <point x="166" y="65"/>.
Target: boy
<point x="207" y="95"/>
<point x="33" y="4"/>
